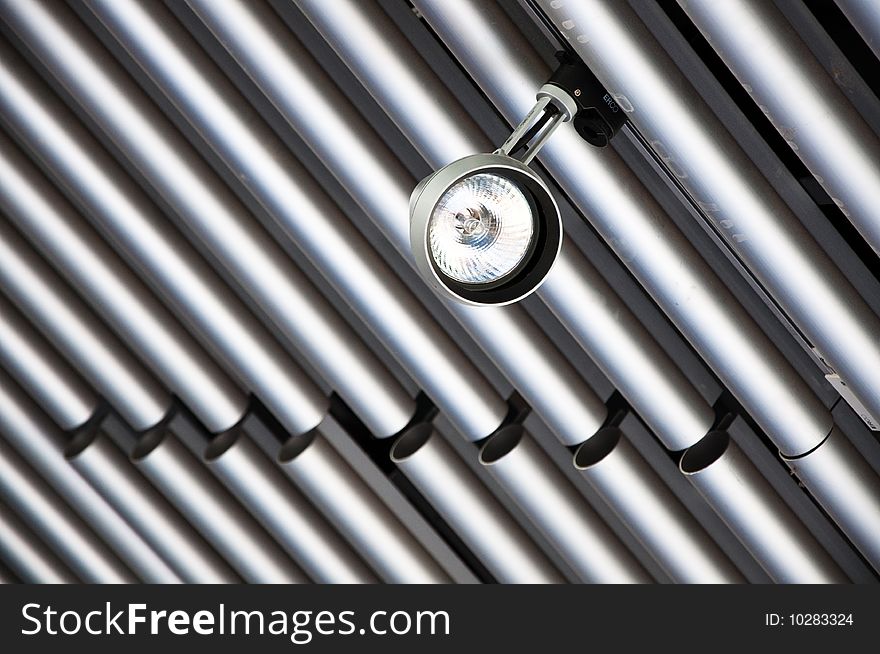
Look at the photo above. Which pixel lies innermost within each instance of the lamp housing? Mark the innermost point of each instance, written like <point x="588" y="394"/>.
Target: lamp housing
<point x="496" y="181"/>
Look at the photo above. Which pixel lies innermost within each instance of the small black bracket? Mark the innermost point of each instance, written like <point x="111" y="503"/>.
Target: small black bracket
<point x="599" y="117"/>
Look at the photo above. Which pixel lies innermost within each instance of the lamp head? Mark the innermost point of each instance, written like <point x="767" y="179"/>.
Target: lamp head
<point x="485" y="230"/>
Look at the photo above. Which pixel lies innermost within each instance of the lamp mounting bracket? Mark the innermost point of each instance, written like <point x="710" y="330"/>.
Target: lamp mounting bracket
<point x="598" y="117"/>
<point x="571" y="94"/>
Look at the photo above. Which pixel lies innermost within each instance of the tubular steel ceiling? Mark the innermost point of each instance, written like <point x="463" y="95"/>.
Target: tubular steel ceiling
<point x="218" y="364"/>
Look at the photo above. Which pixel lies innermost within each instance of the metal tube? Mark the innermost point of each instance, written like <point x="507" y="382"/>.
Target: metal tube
<point x="509" y="70"/>
<point x="48" y="515"/>
<point x="112" y="476"/>
<point x="41" y="443"/>
<point x="27" y="555"/>
<point x="41" y="371"/>
<point x="226" y="326"/>
<point x="625" y="351"/>
<point x="756" y="514"/>
<point x="865" y="17"/>
<point x="105" y="467"/>
<point x="285" y="188"/>
<point x="114" y="291"/>
<point x="255" y="259"/>
<point x="411" y="93"/>
<point x="359" y="514"/>
<point x="649" y="509"/>
<point x="288" y="74"/>
<point x="38" y="361"/>
<point x="468" y="506"/>
<point x="830" y="55"/>
<point x="754" y="220"/>
<point x="270" y="497"/>
<point x="556" y="507"/>
<point x="802" y="101"/>
<point x="850" y="490"/>
<point x="208" y="507"/>
<point x="72" y="327"/>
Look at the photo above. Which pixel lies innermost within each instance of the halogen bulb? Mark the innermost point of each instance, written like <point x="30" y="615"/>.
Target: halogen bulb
<point x="481" y="229"/>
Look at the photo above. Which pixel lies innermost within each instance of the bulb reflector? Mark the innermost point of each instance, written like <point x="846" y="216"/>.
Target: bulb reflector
<point x="481" y="229"/>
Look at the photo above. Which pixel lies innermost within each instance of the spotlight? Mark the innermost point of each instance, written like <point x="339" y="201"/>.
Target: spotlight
<point x="485" y="229"/>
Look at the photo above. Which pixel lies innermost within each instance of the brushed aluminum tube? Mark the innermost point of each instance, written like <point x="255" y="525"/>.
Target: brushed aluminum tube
<point x="558" y="510"/>
<point x="800" y="98"/>
<point x="271" y="498"/>
<point x="847" y="487"/>
<point x="757" y="224"/>
<point x="47" y="514"/>
<point x="27" y="555"/>
<point x="303" y="93"/>
<point x="285" y="188"/>
<point x="649" y="509"/>
<point x="40" y="370"/>
<point x="209" y="507"/>
<point x="625" y="351"/>
<point x="467" y="505"/>
<point x="93" y="267"/>
<point x="226" y="326"/>
<point x="434" y="121"/>
<point x="71" y="326"/>
<point x="359" y="514"/>
<point x="756" y="514"/>
<point x="41" y="444"/>
<point x="508" y="69"/>
<point x="864" y="15"/>
<point x="399" y="79"/>
<point x="258" y="262"/>
<point x="100" y="461"/>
